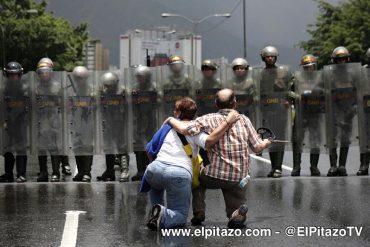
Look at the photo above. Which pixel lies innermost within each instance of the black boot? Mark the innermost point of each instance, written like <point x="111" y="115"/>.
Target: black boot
<point x="333" y="171"/>
<point x="273" y="162"/>
<point x="88" y="159"/>
<point x="80" y="168"/>
<point x="66" y="167"/>
<point x="55" y="164"/>
<point x="21" y="165"/>
<point x="364" y="167"/>
<point x="314" y="160"/>
<point x="9" y="161"/>
<point x="108" y="174"/>
<point x="7" y="178"/>
<point x="43" y="176"/>
<point x="342" y="161"/>
<point x="296" y="163"/>
<point x="279" y="163"/>
<point x="141" y="159"/>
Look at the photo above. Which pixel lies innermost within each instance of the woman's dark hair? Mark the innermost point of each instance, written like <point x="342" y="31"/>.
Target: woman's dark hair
<point x="187" y="108"/>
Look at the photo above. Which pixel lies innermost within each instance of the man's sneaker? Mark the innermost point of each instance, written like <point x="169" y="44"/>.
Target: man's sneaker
<point x="86" y="178"/>
<point x="124" y="176"/>
<point x="43" y="177"/>
<point x="155" y="217"/>
<point x="6" y="178"/>
<point x="21" y="179"/>
<point x="66" y="170"/>
<point x="55" y="178"/>
<point x="238" y="218"/>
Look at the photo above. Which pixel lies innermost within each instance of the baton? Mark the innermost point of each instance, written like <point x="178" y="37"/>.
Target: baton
<point x="280" y="141"/>
<point x="72" y="83"/>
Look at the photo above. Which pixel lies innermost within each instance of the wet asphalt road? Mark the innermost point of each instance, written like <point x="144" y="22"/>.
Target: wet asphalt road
<point x="33" y="214"/>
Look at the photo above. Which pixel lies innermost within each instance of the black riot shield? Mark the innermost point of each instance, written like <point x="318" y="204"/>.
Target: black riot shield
<point x="310" y="111"/>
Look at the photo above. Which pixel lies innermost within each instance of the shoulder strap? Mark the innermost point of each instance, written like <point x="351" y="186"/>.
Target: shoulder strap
<point x="186" y="145"/>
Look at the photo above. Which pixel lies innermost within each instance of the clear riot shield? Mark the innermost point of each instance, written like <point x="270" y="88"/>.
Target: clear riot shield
<point x="274" y="109"/>
<point x="47" y="113"/>
<point x="1" y="114"/>
<point x="207" y="85"/>
<point x="112" y="113"/>
<point x="16" y="114"/>
<point x="341" y="82"/>
<point x="245" y="91"/>
<point x="81" y="115"/>
<point x="364" y="110"/>
<point x="144" y="106"/>
<point x="175" y="82"/>
<point x="310" y="111"/>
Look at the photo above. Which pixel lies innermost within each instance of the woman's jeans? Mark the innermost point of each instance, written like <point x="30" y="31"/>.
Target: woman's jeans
<point x="176" y="181"/>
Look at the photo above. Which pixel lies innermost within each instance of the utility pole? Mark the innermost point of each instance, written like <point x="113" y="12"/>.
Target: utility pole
<point x="244" y="29"/>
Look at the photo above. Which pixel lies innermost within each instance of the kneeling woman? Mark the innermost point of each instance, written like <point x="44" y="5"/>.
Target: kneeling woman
<point x="171" y="171"/>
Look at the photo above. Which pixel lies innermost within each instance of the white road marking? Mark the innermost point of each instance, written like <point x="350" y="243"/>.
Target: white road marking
<point x="269" y="162"/>
<point x="70" y="229"/>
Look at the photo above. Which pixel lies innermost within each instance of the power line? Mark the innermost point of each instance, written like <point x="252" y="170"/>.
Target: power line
<point x="222" y="21"/>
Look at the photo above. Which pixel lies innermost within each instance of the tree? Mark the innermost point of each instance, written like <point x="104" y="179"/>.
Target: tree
<point x="29" y="37"/>
<point x="347" y="24"/>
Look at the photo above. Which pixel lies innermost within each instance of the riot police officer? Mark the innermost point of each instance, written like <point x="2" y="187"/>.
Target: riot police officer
<point x="177" y="78"/>
<point x="66" y="167"/>
<point x="342" y="116"/>
<point x="145" y="114"/>
<point x="84" y="161"/>
<point x="17" y="134"/>
<point x="310" y="121"/>
<point x="205" y="95"/>
<point x="365" y="155"/>
<point x="241" y="82"/>
<point x="244" y="87"/>
<point x="274" y="86"/>
<point x="110" y="91"/>
<point x="209" y="72"/>
<point x="48" y="125"/>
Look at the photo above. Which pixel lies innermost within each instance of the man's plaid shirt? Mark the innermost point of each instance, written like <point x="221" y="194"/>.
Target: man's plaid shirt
<point x="229" y="158"/>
